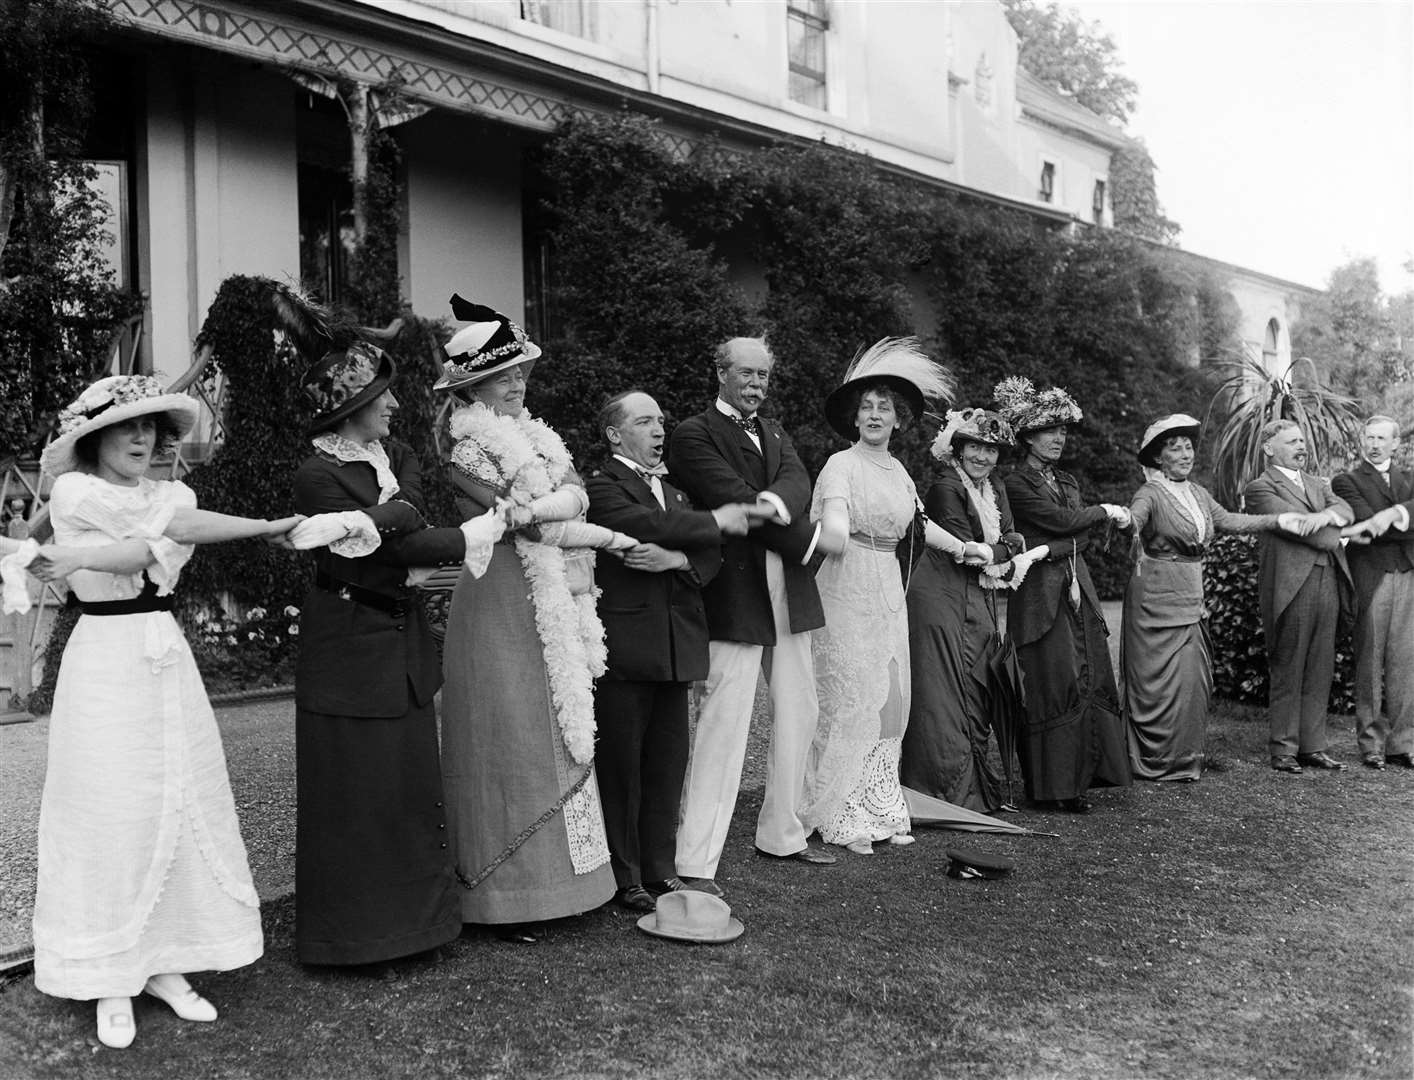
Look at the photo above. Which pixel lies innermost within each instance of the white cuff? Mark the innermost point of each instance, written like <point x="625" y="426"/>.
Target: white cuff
<point x="15" y="599"/>
<point x="481" y="535"/>
<point x="810" y="548"/>
<point x="362" y="539"/>
<point x="776" y="501"/>
<point x="1402" y="519"/>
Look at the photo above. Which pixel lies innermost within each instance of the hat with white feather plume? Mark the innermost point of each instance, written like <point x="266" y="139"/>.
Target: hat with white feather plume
<point x="900" y="364"/>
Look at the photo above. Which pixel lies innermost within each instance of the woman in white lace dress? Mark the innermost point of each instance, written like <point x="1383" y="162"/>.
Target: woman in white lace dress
<point x="523" y="647"/>
<point x="142" y="872"/>
<point x="866" y="503"/>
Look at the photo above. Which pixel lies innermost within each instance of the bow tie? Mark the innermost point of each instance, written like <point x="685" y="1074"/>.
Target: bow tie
<point x="748" y="424"/>
<point x="646" y="474"/>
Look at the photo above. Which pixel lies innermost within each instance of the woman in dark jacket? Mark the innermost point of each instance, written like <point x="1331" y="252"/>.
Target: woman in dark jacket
<point x="1074" y="736"/>
<point x="374" y="877"/>
<point x="952" y="618"/>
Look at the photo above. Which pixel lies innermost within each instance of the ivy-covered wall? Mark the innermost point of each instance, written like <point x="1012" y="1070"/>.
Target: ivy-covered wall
<point x="848" y="255"/>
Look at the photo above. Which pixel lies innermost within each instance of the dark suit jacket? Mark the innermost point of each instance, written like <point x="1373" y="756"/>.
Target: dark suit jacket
<point x="709" y="456"/>
<point x="355" y="660"/>
<point x="1062" y="523"/>
<point x="655" y="624"/>
<point x="1286" y="560"/>
<point x="1367" y="493"/>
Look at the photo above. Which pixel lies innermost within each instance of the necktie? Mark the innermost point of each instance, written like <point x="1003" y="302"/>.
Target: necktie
<point x="1384" y="475"/>
<point x="748" y="424"/>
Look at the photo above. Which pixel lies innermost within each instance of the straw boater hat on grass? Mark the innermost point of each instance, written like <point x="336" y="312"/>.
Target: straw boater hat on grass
<point x="1161" y="430"/>
<point x="970" y="425"/>
<point x="111" y="401"/>
<point x="491" y="343"/>
<point x="899" y="363"/>
<point x="1027" y="409"/>
<point x="344" y="381"/>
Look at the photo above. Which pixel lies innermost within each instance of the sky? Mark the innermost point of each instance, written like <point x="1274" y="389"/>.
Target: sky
<point x="1283" y="130"/>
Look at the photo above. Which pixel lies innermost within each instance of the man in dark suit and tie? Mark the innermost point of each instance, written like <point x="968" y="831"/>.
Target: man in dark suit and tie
<point x="1304" y="586"/>
<point x="763" y="598"/>
<point x="1382" y="564"/>
<point x="655" y="628"/>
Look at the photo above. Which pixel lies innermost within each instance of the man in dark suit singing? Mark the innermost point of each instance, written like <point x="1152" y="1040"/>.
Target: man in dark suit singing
<point x="656" y="630"/>
<point x="1382" y="564"/>
<point x="763" y="598"/>
<point x="1303" y="586"/>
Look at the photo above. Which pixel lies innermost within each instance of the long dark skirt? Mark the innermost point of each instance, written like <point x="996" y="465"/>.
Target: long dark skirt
<point x="374" y="877"/>
<point x="945" y="747"/>
<point x="1074" y="737"/>
<point x="1168" y="683"/>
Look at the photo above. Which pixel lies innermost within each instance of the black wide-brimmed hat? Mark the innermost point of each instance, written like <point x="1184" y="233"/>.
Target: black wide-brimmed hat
<point x="1162" y="429"/>
<point x="343" y="382"/>
<point x="490" y="344"/>
<point x="898" y="363"/>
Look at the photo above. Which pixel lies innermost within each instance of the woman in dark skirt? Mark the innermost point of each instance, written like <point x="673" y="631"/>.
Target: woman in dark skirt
<point x="952" y="618"/>
<point x="1074" y="736"/>
<point x="374" y="874"/>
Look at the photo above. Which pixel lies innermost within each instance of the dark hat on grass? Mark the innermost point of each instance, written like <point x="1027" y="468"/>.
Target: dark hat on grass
<point x="967" y="863"/>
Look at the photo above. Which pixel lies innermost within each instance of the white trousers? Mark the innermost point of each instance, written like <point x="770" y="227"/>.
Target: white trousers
<point x="719" y="744"/>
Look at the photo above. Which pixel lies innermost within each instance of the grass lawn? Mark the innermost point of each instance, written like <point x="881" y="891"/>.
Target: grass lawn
<point x="1251" y="925"/>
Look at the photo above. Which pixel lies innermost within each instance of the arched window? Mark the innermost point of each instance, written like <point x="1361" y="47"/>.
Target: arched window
<point x="1269" y="345"/>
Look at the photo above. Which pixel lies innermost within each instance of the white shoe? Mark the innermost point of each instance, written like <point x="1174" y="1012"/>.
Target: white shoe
<point x="115" y="1022"/>
<point x="901" y="839"/>
<point x="862" y="846"/>
<point x="185" y="1002"/>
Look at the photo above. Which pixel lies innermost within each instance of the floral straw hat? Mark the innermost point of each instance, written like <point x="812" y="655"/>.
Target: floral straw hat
<point x="1027" y="409"/>
<point x="111" y="401"/>
<point x="971" y="425"/>
<point x="490" y="344"/>
<point x="343" y="382"/>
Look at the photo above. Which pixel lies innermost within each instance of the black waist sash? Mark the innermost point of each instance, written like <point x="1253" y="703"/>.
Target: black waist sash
<point x="147" y="600"/>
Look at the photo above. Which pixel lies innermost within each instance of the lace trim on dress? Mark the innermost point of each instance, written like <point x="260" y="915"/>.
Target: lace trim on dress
<point x="1181" y="495"/>
<point x="346" y="450"/>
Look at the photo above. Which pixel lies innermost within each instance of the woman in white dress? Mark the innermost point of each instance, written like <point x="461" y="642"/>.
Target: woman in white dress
<point x="866" y="504"/>
<point x="142" y="872"/>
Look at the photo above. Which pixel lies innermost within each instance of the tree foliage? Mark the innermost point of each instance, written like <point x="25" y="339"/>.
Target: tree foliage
<point x="1361" y="339"/>
<point x="59" y="308"/>
<point x="1073" y="56"/>
<point x="1135" y="195"/>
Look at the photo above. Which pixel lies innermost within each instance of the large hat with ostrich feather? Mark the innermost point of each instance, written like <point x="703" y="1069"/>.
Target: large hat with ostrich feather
<point x="899" y="363"/>
<point x="1027" y="409"/>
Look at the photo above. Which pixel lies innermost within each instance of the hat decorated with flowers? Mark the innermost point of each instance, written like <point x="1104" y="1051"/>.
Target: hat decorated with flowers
<point x="489" y="344"/>
<point x="971" y="425"/>
<point x="1027" y="409"/>
<point x="110" y="401"/>
<point x="1163" y="429"/>
<point x="343" y="382"/>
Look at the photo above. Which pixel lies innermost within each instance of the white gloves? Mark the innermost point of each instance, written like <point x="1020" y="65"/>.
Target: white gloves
<point x="326" y="530"/>
<point x="1118" y="514"/>
<point x="15" y="598"/>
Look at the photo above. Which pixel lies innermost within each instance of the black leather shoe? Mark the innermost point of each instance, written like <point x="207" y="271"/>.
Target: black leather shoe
<point x="1286" y="764"/>
<point x="1404" y="761"/>
<point x="1319" y="760"/>
<point x="635" y="898"/>
<point x="704" y="884"/>
<point x="515" y="933"/>
<point x="807" y="854"/>
<point x="1078" y="805"/>
<point x="1372" y="761"/>
<point x="667" y="885"/>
